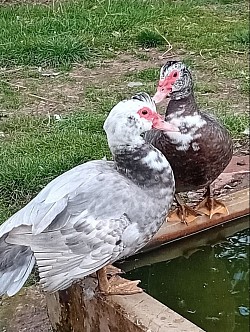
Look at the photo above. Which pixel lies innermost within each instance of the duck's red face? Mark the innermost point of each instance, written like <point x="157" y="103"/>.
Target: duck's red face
<point x="165" y="86"/>
<point x="156" y="119"/>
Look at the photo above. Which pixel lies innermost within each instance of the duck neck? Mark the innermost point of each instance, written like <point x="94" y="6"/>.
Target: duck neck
<point x="183" y="106"/>
<point x="144" y="165"/>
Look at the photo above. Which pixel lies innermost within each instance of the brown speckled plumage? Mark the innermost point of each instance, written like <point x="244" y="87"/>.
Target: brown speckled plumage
<point x="203" y="148"/>
<point x="195" y="169"/>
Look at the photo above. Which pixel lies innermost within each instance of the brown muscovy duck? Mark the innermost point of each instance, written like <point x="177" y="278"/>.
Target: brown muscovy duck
<point x="200" y="151"/>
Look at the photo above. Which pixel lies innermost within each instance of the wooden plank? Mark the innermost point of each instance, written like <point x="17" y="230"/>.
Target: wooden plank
<point x="185" y="247"/>
<point x="237" y="204"/>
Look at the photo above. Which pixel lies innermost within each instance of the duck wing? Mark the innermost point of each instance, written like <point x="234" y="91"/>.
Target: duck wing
<point x="71" y="226"/>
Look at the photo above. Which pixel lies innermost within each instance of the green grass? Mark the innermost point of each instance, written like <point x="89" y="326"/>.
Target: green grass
<point x="147" y="75"/>
<point x="245" y="88"/>
<point x="241" y="37"/>
<point x="10" y="98"/>
<point x="35" y="151"/>
<point x="235" y="124"/>
<point x="77" y="31"/>
<point x="148" y="38"/>
<point x="212" y="36"/>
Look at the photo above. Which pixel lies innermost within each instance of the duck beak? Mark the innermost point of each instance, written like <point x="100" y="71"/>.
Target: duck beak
<point x="163" y="91"/>
<point x="160" y="96"/>
<point x="159" y="123"/>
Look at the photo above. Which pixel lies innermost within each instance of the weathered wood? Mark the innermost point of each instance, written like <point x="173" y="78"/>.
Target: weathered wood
<point x="187" y="245"/>
<point x="237" y="204"/>
<point x="81" y="309"/>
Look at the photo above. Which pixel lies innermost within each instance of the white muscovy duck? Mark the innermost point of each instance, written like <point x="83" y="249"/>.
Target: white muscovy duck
<point x="95" y="213"/>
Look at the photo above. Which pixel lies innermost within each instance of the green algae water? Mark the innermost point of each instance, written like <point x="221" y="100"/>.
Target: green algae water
<point x="207" y="284"/>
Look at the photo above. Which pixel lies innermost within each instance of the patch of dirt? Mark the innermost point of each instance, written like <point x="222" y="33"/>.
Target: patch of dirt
<point x="241" y="147"/>
<point x="47" y="91"/>
<point x="235" y="176"/>
<point x="25" y="312"/>
<point x="210" y="74"/>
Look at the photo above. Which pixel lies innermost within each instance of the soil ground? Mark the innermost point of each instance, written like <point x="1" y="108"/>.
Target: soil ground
<point x="45" y="91"/>
<point x="25" y="312"/>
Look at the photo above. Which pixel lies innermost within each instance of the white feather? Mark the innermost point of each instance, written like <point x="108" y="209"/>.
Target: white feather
<point x="181" y="139"/>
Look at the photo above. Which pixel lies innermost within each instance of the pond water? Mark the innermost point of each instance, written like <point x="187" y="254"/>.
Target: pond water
<point x="208" y="284"/>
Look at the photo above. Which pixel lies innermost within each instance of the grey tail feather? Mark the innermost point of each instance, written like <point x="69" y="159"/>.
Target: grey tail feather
<point x="16" y="263"/>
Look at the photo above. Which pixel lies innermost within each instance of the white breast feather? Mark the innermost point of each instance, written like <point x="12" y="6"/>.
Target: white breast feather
<point x="154" y="160"/>
<point x="183" y="140"/>
<point x="195" y="146"/>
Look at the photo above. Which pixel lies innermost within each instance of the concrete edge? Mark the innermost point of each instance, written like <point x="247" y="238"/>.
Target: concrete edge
<point x="80" y="309"/>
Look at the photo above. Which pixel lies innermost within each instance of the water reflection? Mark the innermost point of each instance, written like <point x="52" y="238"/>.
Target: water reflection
<point x="210" y="287"/>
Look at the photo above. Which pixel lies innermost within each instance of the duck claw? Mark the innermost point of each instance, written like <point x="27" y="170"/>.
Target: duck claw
<point x="211" y="206"/>
<point x="121" y="286"/>
<point x="116" y="285"/>
<point x="183" y="213"/>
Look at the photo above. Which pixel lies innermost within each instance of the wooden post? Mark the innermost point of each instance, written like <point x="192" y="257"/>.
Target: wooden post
<point x="81" y="309"/>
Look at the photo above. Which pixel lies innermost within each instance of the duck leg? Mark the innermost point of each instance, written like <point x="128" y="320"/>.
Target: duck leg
<point x="110" y="271"/>
<point x="116" y="285"/>
<point x="183" y="212"/>
<point x="113" y="270"/>
<point x="210" y="205"/>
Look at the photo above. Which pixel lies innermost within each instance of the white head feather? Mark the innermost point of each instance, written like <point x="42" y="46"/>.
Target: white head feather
<point x="124" y="125"/>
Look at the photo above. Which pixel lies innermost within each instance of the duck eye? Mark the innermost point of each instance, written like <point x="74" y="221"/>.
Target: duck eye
<point x="145" y="112"/>
<point x="175" y="74"/>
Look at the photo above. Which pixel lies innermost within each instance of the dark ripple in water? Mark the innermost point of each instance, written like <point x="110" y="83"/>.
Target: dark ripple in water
<point x="210" y="288"/>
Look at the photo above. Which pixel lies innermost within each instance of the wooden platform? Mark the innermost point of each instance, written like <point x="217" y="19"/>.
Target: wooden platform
<point x="237" y="204"/>
<point x="80" y="309"/>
